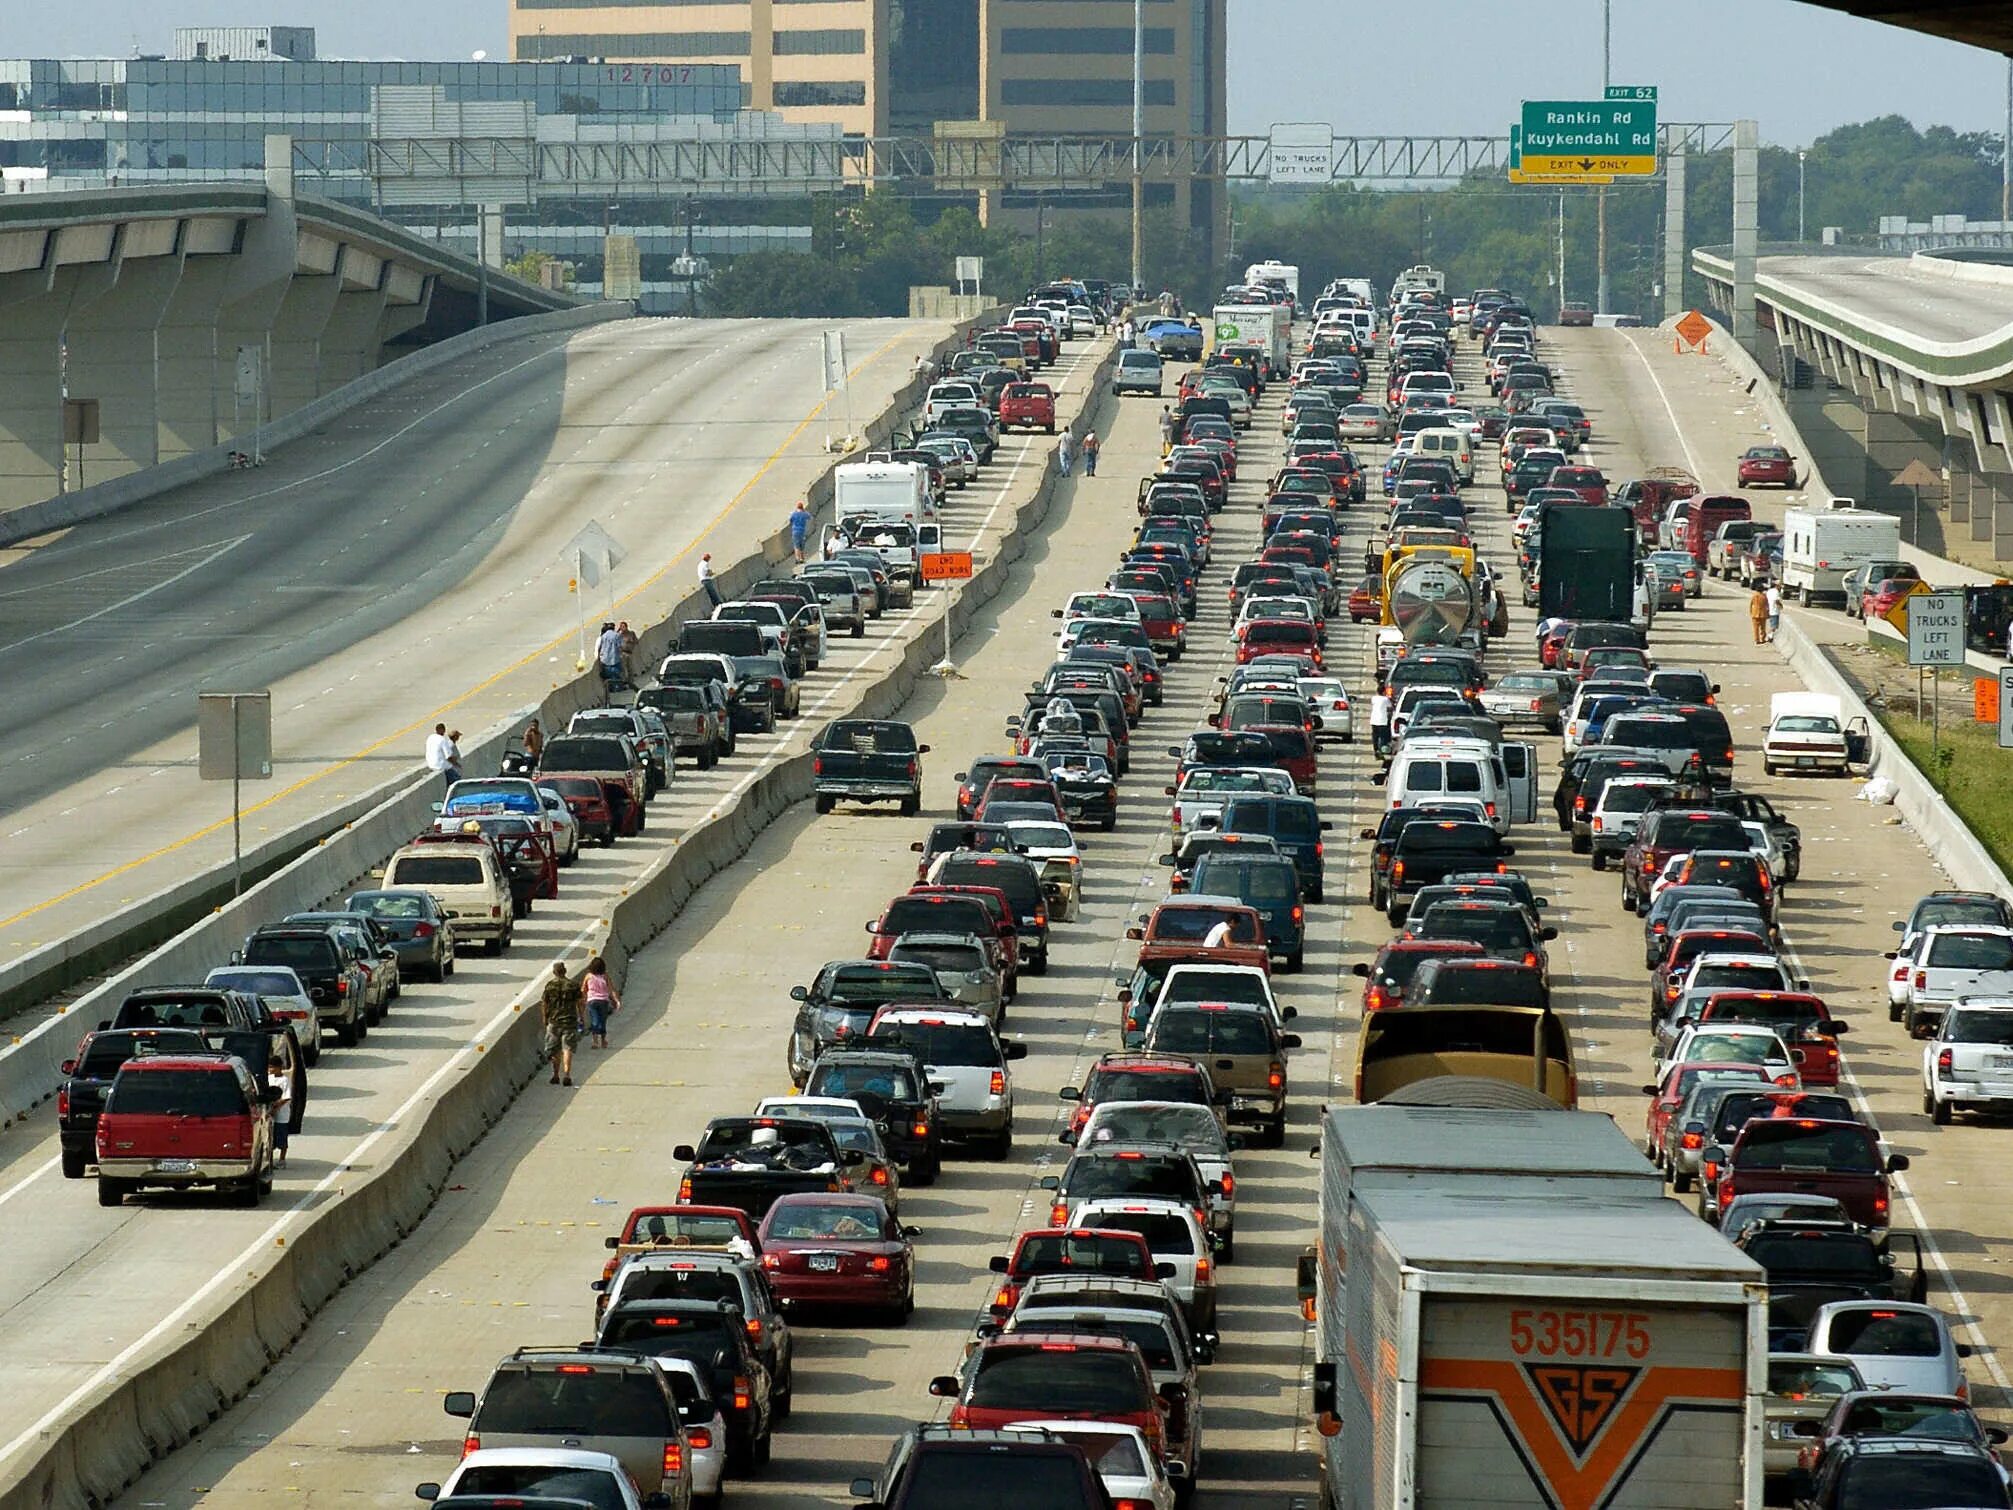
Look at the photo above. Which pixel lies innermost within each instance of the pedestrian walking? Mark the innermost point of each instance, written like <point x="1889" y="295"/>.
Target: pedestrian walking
<point x="1773" y="598"/>
<point x="706" y="578"/>
<point x="629" y="643"/>
<point x="1063" y="454"/>
<point x="800" y="527"/>
<point x="559" y="1010"/>
<point x="608" y="654"/>
<point x="438" y="746"/>
<point x="1091" y="446"/>
<point x="534" y="742"/>
<point x="1167" y="426"/>
<point x="1380" y="721"/>
<point x="602" y="1002"/>
<point x="1757" y="614"/>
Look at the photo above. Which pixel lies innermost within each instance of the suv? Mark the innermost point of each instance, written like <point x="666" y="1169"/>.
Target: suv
<point x="337" y="982"/>
<point x="1294" y="824"/>
<point x="1009" y="1379"/>
<point x="893" y="1088"/>
<point x="720" y="1277"/>
<point x="88" y="1077"/>
<point x="469" y="882"/>
<point x="1900" y="1470"/>
<point x="964" y="1056"/>
<point x="1029" y="406"/>
<point x="1270" y="886"/>
<point x="714" y="1336"/>
<point x="1019" y="878"/>
<point x="950" y="1468"/>
<point x="182" y="1120"/>
<point x="841" y="1001"/>
<point x="1245" y="1050"/>
<point x="582" y="1398"/>
<point x="1131" y="1171"/>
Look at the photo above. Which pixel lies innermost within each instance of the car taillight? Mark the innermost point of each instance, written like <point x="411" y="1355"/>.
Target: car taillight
<point x="685" y="1191"/>
<point x="1202" y="1271"/>
<point x="744" y="1394"/>
<point x="1880" y="1205"/>
<point x="1726" y="1194"/>
<point x="699" y="1438"/>
<point x="1598" y="824"/>
<point x="470" y="1444"/>
<point x="1131" y="1505"/>
<point x="674" y="1459"/>
<point x="1058" y="1214"/>
<point x="1921" y="979"/>
<point x="1579" y="804"/>
<point x="1489" y="808"/>
<point x="423" y="931"/>
<point x="1229" y="1183"/>
<point x="1944" y="1061"/>
<point x="915" y="770"/>
<point x="1374" y="999"/>
<point x="1766" y="883"/>
<point x="817" y="765"/>
<point x="770" y="1261"/>
<point x="998" y="1085"/>
<point x="1299" y="913"/>
<point x="496" y="912"/>
<point x="63" y="1102"/>
<point x="1530" y="958"/>
<point x="1693" y="1140"/>
<point x="880" y="1263"/>
<point x="1397" y="870"/>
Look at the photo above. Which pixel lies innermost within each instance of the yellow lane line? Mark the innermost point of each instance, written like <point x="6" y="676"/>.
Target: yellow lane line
<point x="480" y="687"/>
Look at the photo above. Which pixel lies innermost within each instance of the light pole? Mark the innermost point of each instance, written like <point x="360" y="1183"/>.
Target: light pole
<point x="1601" y="193"/>
<point x="1138" y="144"/>
<point x="1799" y="197"/>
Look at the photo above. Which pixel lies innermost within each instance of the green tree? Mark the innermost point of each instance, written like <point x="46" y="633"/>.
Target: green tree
<point x="781" y="285"/>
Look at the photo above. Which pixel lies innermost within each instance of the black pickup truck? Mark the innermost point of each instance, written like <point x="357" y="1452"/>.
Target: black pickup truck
<point x="749" y="1163"/>
<point x="1427" y="853"/>
<point x="1811" y="1263"/>
<point x="89" y="1076"/>
<point x="868" y="760"/>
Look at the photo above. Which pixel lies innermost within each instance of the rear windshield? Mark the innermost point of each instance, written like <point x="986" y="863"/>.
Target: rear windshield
<point x="1090" y="1177"/>
<point x="1016" y="878"/>
<point x="584" y="753"/>
<point x="866" y="985"/>
<point x="435" y="870"/>
<point x="1056" y="1381"/>
<point x="700" y="1339"/>
<point x="1907" y="1482"/>
<point x="938" y="915"/>
<point x="1216" y="985"/>
<point x="1005" y="1480"/>
<point x="949" y="1043"/>
<point x="1839" y="1256"/>
<point x="260" y="982"/>
<point x="1887" y="1334"/>
<point x="590" y="1486"/>
<point x="942" y="956"/>
<point x="681" y="1284"/>
<point x="579" y="1402"/>
<point x="1402" y="1033"/>
<point x="183" y="1093"/>
<point x="1980" y="1027"/>
<point x="1192" y="924"/>
<point x="1259" y="884"/>
<point x="1074" y="1253"/>
<point x="886" y="1081"/>
<point x="1278" y="632"/>
<point x="107" y="1051"/>
<point x="1792" y="1145"/>
<point x="1447" y="838"/>
<point x="1145" y="1085"/>
<point x="1679" y="832"/>
<point x="1164" y="1232"/>
<point x="1649" y="734"/>
<point x="1971" y="951"/>
<point x="383" y="904"/>
<point x="1195" y="1031"/>
<point x="1284" y="820"/>
<point x="1493" y="985"/>
<point x="1496" y="928"/>
<point x="1634" y="797"/>
<point x="312" y="953"/>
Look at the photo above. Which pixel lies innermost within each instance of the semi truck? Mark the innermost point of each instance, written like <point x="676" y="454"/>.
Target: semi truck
<point x="1509" y="1313"/>
<point x="1821" y="546"/>
<point x="1586" y="564"/>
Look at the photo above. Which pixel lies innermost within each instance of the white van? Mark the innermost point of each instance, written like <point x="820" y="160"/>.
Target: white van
<point x="467" y="881"/>
<point x="883" y="492"/>
<point x="1428" y="769"/>
<point x="1451" y="445"/>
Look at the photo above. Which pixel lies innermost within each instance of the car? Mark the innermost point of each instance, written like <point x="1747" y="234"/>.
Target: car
<point x="1138" y="371"/>
<point x="1102" y="1251"/>
<point x="576" y="1399"/>
<point x="1895" y="1471"/>
<point x="1858" y="1413"/>
<point x="714" y="1336"/>
<point x="1968" y="1063"/>
<point x="1894" y="1345"/>
<point x="182" y="1120"/>
<point x="1195" y="1128"/>
<point x="841" y="1250"/>
<point x="1765" y="464"/>
<point x="968" y="1065"/>
<point x="88" y="1076"/>
<point x="1572" y="312"/>
<point x="1009" y="1379"/>
<point x="285" y="995"/>
<point x="940" y="1467"/>
<point x="546" y="1478"/>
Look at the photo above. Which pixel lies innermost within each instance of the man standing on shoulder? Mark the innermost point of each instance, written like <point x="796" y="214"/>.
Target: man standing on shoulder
<point x="1773" y="597"/>
<point x="438" y="747"/>
<point x="800" y="526"/>
<point x="608" y="654"/>
<point x="1757" y="614"/>
<point x="706" y="579"/>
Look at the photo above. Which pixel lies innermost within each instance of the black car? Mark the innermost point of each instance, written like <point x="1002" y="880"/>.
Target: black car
<point x="89" y="1076"/>
<point x="337" y="983"/>
<point x="1904" y="1471"/>
<point x="949" y="1468"/>
<point x="714" y="1336"/>
<point x="1017" y="876"/>
<point x="1087" y="785"/>
<point x="1426" y="853"/>
<point x="892" y="1086"/>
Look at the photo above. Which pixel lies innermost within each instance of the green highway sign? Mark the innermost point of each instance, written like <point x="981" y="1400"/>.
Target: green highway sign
<point x="1590" y="137"/>
<point x="1632" y="92"/>
<point x="1516" y="148"/>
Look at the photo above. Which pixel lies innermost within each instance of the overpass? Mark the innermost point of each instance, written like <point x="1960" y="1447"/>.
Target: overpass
<point x="138" y="325"/>
<point x="1981" y="23"/>
<point x="1885" y="360"/>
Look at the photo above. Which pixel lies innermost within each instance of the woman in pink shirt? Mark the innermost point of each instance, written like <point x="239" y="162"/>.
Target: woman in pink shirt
<point x="601" y="1001"/>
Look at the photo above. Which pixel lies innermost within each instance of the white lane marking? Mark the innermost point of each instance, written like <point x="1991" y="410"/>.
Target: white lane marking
<point x="1676" y="428"/>
<point x="263" y="1244"/>
<point x="131" y="599"/>
<point x="29" y="1178"/>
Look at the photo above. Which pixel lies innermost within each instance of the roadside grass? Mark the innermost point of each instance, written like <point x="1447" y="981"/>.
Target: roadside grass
<point x="1965" y="764"/>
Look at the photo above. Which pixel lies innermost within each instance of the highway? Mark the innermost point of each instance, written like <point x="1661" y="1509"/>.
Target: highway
<point x="403" y="565"/>
<point x="350" y="1415"/>
<point x="1889" y="295"/>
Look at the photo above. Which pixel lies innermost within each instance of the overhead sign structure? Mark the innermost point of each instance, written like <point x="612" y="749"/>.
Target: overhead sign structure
<point x="1936" y="629"/>
<point x="1301" y="153"/>
<point x="1584" y="138"/>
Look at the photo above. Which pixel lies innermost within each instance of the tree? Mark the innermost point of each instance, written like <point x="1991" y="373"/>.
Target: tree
<point x="781" y="285"/>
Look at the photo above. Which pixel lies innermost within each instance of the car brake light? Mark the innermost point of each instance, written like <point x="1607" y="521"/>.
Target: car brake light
<point x="1299" y="913"/>
<point x="63" y="1101"/>
<point x="342" y="988"/>
<point x="1373" y="999"/>
<point x="998" y="1086"/>
<point x="880" y="1263"/>
<point x="699" y="1438"/>
<point x="1057" y="1215"/>
<point x="685" y="1191"/>
<point x="1598" y="825"/>
<point x="423" y="931"/>
<point x="1726" y="1194"/>
<point x="1921" y="979"/>
<point x="1201" y="1270"/>
<point x="1397" y="870"/>
<point x="1944" y="1060"/>
<point x="674" y="1459"/>
<point x="1694" y="1140"/>
<point x="470" y="1444"/>
<point x="1880" y="1205"/>
<point x="743" y="1393"/>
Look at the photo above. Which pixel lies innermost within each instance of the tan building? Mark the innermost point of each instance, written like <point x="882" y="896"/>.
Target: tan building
<point x="897" y="67"/>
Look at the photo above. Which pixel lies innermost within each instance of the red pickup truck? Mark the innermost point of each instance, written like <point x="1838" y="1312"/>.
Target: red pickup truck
<point x="1806" y="1156"/>
<point x="1800" y="1019"/>
<point x="1028" y="406"/>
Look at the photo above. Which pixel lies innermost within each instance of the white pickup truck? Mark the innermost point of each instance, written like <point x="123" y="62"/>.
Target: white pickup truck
<point x="1952" y="963"/>
<point x="1969" y="1063"/>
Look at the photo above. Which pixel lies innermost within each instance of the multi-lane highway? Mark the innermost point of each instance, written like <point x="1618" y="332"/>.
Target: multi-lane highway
<point x="407" y="563"/>
<point x="351" y="1413"/>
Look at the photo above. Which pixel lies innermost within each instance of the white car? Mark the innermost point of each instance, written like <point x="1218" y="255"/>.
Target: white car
<point x="705" y="1425"/>
<point x="1365" y="421"/>
<point x="1969" y="1062"/>
<point x="565" y="827"/>
<point x="548" y="1472"/>
<point x="1330" y="700"/>
<point x="1742" y="1043"/>
<point x="946" y="396"/>
<point x="1199" y="800"/>
<point x="1052" y="847"/>
<point x="1273" y="608"/>
<point x="1073" y="629"/>
<point x="1083" y="320"/>
<point x="1132" y="1471"/>
<point x="284" y="995"/>
<point x="1173" y="1235"/>
<point x="1952" y="961"/>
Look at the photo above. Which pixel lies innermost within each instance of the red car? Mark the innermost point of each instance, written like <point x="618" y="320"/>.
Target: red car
<point x="1839" y="1159"/>
<point x="1366" y="600"/>
<point x="701" y="1227"/>
<point x="826" y="1249"/>
<point x="182" y="1120"/>
<point x="1054" y="1376"/>
<point x="1018" y="789"/>
<point x="1294" y="637"/>
<point x="1028" y="406"/>
<point x="1668" y="1095"/>
<point x="1588" y="482"/>
<point x="1667" y="978"/>
<point x="1069" y="1250"/>
<point x="1770" y="464"/>
<point x="1883" y="595"/>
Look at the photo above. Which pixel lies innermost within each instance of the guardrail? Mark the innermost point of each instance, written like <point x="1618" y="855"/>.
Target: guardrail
<point x="166" y="1400"/>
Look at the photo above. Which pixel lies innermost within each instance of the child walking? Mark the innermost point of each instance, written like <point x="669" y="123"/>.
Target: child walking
<point x="601" y="1002"/>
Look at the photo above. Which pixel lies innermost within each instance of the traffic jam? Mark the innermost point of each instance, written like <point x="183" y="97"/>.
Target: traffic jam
<point x="1352" y="689"/>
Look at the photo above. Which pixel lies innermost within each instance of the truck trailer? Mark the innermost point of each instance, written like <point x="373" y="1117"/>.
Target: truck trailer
<point x="1510" y="1314"/>
<point x="1586" y="563"/>
<point x="1820" y="547"/>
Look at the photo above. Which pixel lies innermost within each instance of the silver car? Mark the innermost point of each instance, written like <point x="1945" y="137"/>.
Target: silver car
<point x="964" y="1054"/>
<point x="963" y="967"/>
<point x="961" y="461"/>
<point x="1526" y="697"/>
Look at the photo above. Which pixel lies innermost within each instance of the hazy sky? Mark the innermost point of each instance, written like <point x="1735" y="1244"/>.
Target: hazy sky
<point x="1798" y="69"/>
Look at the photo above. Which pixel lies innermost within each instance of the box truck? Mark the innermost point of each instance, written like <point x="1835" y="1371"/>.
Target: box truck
<point x="1509" y="1313"/>
<point x="1821" y="546"/>
<point x="1266" y="326"/>
<point x="1586" y="563"/>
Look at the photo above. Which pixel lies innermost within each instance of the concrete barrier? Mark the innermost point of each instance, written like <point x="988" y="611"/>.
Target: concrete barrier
<point x="298" y="869"/>
<point x="163" y="1401"/>
<point x="122" y="493"/>
<point x="1950" y="843"/>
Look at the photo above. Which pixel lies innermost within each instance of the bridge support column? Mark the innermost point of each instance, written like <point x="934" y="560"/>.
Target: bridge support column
<point x="350" y="341"/>
<point x="114" y="353"/>
<point x="1892" y="442"/>
<point x="1674" y="248"/>
<point x="1746" y="227"/>
<point x="2000" y="516"/>
<point x="1833" y="427"/>
<point x="296" y="343"/>
<point x="37" y="305"/>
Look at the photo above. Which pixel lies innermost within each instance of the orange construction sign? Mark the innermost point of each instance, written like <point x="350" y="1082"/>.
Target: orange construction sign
<point x="945" y="566"/>
<point x="1692" y="329"/>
